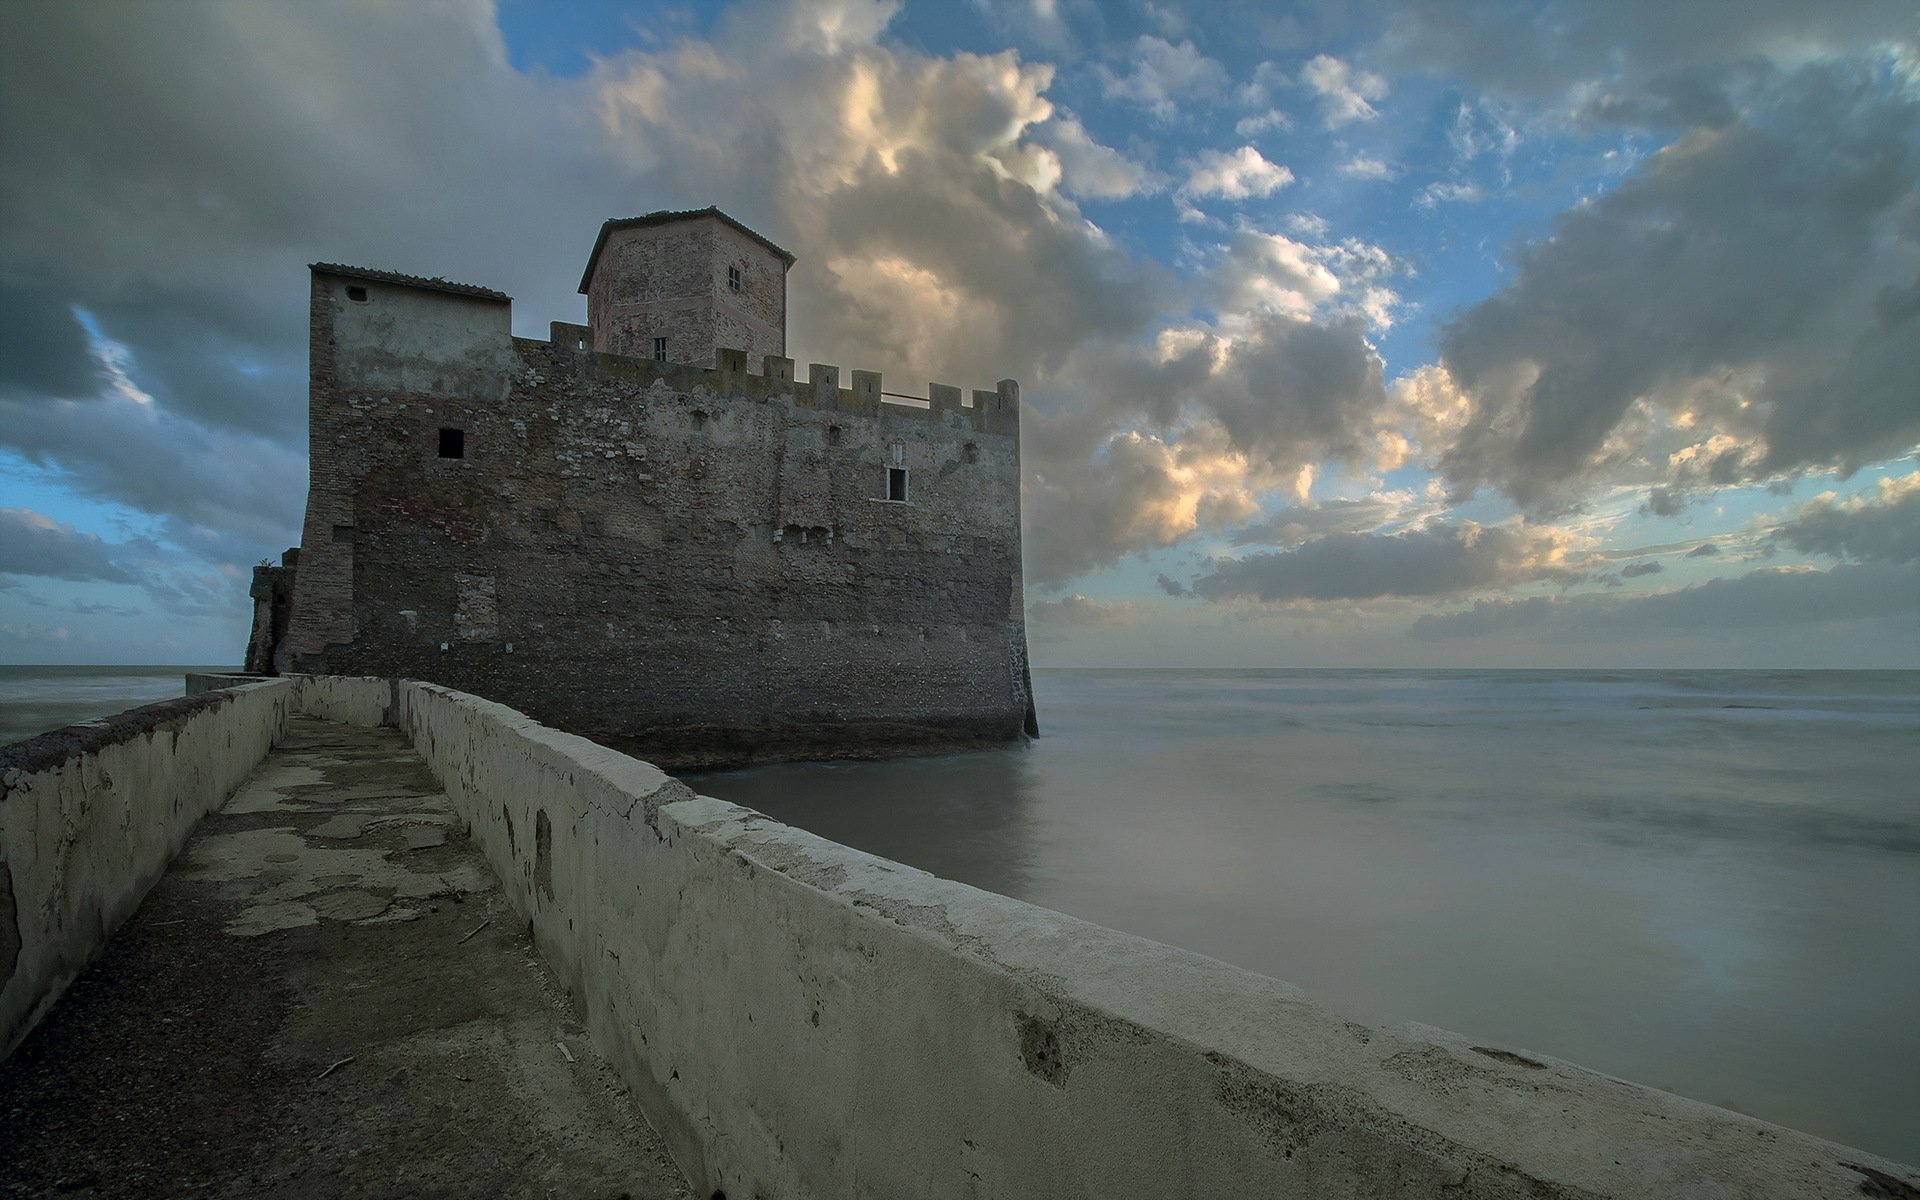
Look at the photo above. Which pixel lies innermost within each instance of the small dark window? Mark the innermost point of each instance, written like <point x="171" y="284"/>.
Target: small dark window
<point x="733" y="279"/>
<point x="659" y="349"/>
<point x="896" y="483"/>
<point x="343" y="535"/>
<point x="356" y="293"/>
<point x="453" y="443"/>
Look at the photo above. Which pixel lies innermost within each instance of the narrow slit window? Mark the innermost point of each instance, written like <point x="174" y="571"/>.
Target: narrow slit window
<point x="659" y="349"/>
<point x="897" y="483"/>
<point x="733" y="279"/>
<point x="453" y="443"/>
<point x="356" y="293"/>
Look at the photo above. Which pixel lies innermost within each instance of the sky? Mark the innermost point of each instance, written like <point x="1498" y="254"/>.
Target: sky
<point x="1477" y="333"/>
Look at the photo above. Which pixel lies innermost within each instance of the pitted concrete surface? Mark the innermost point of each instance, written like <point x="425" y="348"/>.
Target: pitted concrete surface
<point x="297" y="1009"/>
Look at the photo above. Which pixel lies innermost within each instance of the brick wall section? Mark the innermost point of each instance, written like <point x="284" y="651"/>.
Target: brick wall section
<point x="323" y="589"/>
<point x="671" y="281"/>
<point x="694" y="565"/>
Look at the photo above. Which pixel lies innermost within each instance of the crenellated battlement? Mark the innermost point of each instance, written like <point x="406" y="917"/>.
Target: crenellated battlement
<point x="569" y="347"/>
<point x="651" y="528"/>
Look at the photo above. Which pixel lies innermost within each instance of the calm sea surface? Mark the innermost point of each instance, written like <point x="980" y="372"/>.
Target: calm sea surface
<point x="36" y="699"/>
<point x="1704" y="881"/>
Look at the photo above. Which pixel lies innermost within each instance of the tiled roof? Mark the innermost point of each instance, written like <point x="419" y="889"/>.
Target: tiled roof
<point x="667" y="217"/>
<point x="436" y="284"/>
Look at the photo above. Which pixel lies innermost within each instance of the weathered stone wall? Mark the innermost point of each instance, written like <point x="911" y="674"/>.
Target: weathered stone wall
<point x="272" y="595"/>
<point x="671" y="281"/>
<point x="800" y="1019"/>
<point x="91" y="815"/>
<point x="698" y="565"/>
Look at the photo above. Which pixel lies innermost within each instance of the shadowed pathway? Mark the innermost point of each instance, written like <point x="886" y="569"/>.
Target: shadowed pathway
<point x="302" y="1006"/>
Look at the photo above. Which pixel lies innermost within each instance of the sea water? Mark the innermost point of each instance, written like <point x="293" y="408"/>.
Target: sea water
<point x="1704" y="881"/>
<point x="34" y="700"/>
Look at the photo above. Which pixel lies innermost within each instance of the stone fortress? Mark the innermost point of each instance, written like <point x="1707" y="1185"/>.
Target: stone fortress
<point x="696" y="564"/>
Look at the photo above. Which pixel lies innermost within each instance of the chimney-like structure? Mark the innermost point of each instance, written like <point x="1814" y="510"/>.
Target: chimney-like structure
<point x="677" y="286"/>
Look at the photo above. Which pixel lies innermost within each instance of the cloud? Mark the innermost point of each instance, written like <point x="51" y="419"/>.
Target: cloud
<point x="886" y="170"/>
<point x="1345" y="93"/>
<point x="44" y="350"/>
<point x="1077" y="609"/>
<point x="1765" y="598"/>
<point x="1297" y="523"/>
<point x="35" y="544"/>
<point x="1366" y="166"/>
<point x="1742" y="305"/>
<point x="1704" y="550"/>
<point x="1581" y="52"/>
<point x="1435" y="194"/>
<point x="1243" y="174"/>
<point x="1164" y="75"/>
<point x="1636" y="570"/>
<point x="1091" y="170"/>
<point x="1096" y="496"/>
<point x="1441" y="559"/>
<point x="1883" y="527"/>
<point x="1169" y="585"/>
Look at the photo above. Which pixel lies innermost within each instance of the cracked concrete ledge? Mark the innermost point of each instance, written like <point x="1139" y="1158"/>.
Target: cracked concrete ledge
<point x="90" y="816"/>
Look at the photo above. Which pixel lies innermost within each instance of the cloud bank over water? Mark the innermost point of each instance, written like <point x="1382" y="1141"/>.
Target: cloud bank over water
<point x="1343" y="323"/>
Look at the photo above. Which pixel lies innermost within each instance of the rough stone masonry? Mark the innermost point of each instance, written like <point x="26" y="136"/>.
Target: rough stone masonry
<point x="693" y="564"/>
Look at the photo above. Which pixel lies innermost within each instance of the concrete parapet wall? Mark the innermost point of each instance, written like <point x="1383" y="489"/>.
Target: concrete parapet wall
<point x="91" y="815"/>
<point x="804" y="1020"/>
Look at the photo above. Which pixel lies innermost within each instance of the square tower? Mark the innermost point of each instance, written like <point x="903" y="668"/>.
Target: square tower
<point x="677" y="286"/>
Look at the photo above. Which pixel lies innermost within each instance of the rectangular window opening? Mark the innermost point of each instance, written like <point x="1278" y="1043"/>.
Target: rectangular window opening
<point x="659" y="349"/>
<point x="733" y="279"/>
<point x="356" y="293"/>
<point x="343" y="535"/>
<point x="897" y="483"/>
<point x="453" y="443"/>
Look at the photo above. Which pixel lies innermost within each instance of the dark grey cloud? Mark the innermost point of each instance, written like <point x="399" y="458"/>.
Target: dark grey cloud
<point x="1648" y="50"/>
<point x="1439" y="560"/>
<point x="36" y="545"/>
<point x="1666" y="502"/>
<point x="171" y="168"/>
<point x="1752" y="278"/>
<point x="1883" y="528"/>
<point x="43" y="347"/>
<point x="1764" y="598"/>
<point x="1703" y="550"/>
<point x="1169" y="585"/>
<point x="1636" y="570"/>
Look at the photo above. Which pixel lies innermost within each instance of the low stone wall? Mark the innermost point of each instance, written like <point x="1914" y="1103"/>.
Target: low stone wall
<point x="804" y="1020"/>
<point x="91" y="815"/>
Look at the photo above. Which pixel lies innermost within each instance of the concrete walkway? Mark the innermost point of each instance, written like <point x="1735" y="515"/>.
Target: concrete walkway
<point x="303" y="1007"/>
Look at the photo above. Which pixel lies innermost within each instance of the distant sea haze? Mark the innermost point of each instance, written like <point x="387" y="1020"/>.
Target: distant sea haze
<point x="1707" y="881"/>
